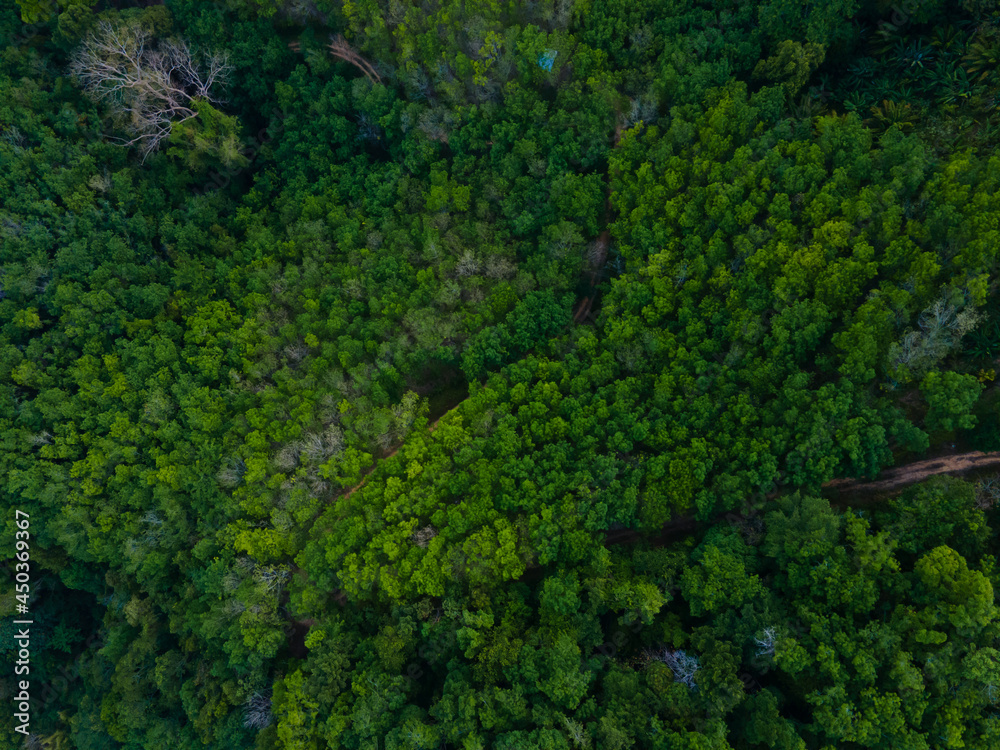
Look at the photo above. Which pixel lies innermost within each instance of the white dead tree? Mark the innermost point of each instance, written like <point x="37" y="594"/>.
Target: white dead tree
<point x="766" y="642"/>
<point x="683" y="666"/>
<point x="941" y="328"/>
<point x="257" y="712"/>
<point x="147" y="85"/>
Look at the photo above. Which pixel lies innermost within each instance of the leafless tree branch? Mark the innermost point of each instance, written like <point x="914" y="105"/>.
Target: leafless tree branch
<point x="340" y="49"/>
<point x="148" y="86"/>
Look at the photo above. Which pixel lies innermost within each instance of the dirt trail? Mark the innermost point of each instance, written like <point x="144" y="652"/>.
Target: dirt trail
<point x="899" y="477"/>
<point x="384" y="456"/>
<point x="855" y="491"/>
<point x="846" y="492"/>
<point x="889" y="482"/>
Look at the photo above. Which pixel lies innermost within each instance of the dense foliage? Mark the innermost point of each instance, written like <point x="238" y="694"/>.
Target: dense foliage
<point x="383" y="374"/>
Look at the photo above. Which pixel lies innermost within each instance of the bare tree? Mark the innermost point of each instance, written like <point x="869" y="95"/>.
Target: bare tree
<point x="40" y="438"/>
<point x="577" y="733"/>
<point x="642" y="109"/>
<point x="14" y="138"/>
<point x="766" y="642"/>
<point x="988" y="492"/>
<point x="287" y="458"/>
<point x="941" y="328"/>
<point x="296" y="352"/>
<point x="683" y="666"/>
<point x="272" y="578"/>
<point x="148" y="86"/>
<point x="423" y="537"/>
<point x="311" y="446"/>
<point x="232" y="471"/>
<point x="257" y="712"/>
<point x="333" y="439"/>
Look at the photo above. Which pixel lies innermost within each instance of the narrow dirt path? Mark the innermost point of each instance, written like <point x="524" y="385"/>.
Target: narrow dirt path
<point x="376" y="460"/>
<point x="899" y="477"/>
<point x="840" y="491"/>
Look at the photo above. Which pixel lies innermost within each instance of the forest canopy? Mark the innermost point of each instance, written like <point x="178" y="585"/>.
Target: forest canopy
<point x="431" y="374"/>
